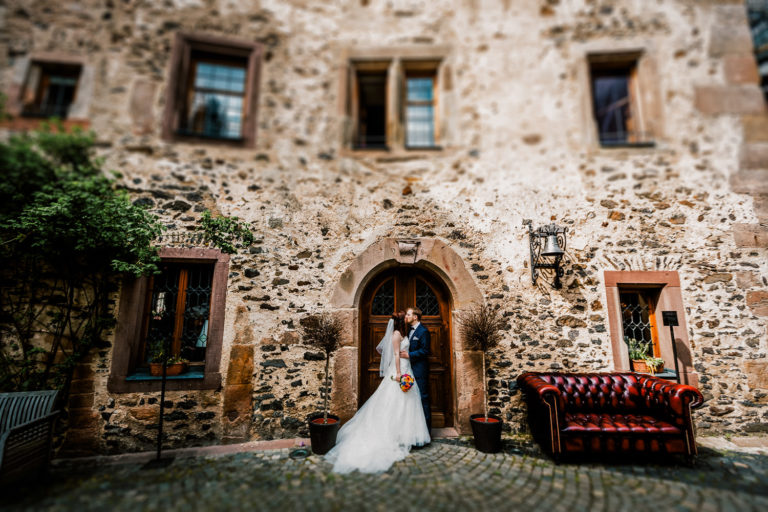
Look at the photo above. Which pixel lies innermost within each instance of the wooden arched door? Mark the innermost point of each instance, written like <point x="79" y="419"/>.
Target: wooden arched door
<point x="395" y="290"/>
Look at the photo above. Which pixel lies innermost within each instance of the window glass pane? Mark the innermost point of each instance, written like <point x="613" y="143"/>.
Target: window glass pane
<point x="426" y="300"/>
<point x="612" y="106"/>
<point x="384" y="301"/>
<point x="635" y="318"/>
<point x="419" y="89"/>
<point x="419" y="126"/>
<point x="162" y="310"/>
<point x="163" y="316"/>
<point x="194" y="336"/>
<point x="224" y="78"/>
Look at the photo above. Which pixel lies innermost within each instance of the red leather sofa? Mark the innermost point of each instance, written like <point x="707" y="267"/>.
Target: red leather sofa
<point x="610" y="413"/>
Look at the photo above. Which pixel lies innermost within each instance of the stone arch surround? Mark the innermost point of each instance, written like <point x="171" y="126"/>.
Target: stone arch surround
<point x="437" y="257"/>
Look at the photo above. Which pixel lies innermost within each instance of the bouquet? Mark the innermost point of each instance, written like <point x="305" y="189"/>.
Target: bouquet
<point x="406" y="382"/>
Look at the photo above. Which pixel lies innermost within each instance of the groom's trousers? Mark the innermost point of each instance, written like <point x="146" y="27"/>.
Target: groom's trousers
<point x="424" y="391"/>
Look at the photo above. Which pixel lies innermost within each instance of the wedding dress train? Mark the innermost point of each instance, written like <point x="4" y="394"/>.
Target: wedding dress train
<point x="384" y="428"/>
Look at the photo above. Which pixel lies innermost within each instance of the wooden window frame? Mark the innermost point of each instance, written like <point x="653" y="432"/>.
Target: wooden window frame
<point x="399" y="62"/>
<point x="629" y="61"/>
<point x="128" y="340"/>
<point x="667" y="283"/>
<point x="180" y="75"/>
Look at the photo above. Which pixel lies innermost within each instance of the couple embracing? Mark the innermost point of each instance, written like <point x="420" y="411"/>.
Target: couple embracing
<point x="392" y="420"/>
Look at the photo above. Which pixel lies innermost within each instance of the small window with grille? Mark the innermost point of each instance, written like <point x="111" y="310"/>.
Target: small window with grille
<point x="638" y="318"/>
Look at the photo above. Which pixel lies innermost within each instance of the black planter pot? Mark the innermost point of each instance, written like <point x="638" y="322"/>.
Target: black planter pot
<point x="323" y="435"/>
<point x="487" y="434"/>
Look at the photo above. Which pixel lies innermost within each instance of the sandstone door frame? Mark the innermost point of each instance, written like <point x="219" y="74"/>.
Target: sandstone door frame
<point x="438" y="258"/>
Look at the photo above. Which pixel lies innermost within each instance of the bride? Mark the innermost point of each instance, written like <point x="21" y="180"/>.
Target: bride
<point x="391" y="421"/>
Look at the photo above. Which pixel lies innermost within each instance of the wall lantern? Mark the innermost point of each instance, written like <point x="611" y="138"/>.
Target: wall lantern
<point x="547" y="250"/>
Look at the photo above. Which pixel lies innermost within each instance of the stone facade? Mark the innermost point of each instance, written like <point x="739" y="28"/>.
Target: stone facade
<point x="517" y="141"/>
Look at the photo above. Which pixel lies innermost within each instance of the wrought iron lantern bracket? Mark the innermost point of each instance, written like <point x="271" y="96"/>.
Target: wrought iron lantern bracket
<point x="547" y="244"/>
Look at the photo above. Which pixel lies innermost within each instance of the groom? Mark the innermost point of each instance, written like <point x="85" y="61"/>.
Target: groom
<point x="418" y="353"/>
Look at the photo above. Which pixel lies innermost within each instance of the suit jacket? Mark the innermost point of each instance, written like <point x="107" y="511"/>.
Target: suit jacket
<point x="418" y="352"/>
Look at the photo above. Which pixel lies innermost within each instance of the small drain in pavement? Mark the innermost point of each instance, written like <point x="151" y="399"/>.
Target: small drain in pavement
<point x="299" y="453"/>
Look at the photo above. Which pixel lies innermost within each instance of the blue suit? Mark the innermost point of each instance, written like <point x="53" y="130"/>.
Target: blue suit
<point x="418" y="352"/>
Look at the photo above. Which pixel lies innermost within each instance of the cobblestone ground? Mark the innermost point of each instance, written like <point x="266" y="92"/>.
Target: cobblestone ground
<point x="447" y="475"/>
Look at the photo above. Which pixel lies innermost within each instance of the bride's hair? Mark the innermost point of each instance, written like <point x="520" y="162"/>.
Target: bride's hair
<point x="399" y="319"/>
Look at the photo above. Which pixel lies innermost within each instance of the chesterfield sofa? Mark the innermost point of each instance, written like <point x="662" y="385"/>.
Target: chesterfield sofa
<point x="590" y="414"/>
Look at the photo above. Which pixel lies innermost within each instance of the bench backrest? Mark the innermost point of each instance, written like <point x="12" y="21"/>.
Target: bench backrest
<point x="23" y="406"/>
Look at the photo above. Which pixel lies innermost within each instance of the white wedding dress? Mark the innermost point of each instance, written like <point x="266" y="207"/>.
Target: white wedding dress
<point x="386" y="426"/>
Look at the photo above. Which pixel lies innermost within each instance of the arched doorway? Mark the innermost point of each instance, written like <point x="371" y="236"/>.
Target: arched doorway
<point x="397" y="289"/>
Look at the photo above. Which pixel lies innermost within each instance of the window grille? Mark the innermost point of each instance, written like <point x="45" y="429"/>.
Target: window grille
<point x="426" y="300"/>
<point x="384" y="300"/>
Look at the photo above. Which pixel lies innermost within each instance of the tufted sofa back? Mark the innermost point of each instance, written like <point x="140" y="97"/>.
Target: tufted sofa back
<point x="599" y="392"/>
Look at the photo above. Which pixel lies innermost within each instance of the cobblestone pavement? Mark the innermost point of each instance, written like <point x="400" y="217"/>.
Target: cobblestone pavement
<point x="447" y="475"/>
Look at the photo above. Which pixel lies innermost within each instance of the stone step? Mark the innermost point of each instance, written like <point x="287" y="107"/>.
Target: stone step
<point x="753" y="181"/>
<point x="754" y="156"/>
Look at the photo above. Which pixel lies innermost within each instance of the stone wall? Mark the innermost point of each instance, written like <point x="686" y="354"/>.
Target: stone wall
<point x="521" y="144"/>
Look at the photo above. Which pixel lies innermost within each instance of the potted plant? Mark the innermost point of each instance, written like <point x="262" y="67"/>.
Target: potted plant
<point x="175" y="365"/>
<point x="480" y="328"/>
<point x="642" y="361"/>
<point x="323" y="331"/>
<point x="655" y="364"/>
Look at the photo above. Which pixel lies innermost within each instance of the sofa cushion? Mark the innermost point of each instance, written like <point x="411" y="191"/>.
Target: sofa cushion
<point x="577" y="423"/>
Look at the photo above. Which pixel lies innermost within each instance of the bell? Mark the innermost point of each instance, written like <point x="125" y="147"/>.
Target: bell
<point x="551" y="247"/>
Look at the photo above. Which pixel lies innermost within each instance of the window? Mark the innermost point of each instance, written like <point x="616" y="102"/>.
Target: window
<point x="393" y="102"/>
<point x="182" y="306"/>
<point x="638" y="317"/>
<point x="420" y="111"/>
<point x="217" y="96"/>
<point x="179" y="303"/>
<point x="372" y="109"/>
<point x="213" y="90"/>
<point x="50" y="89"/>
<point x="616" y="100"/>
<point x="635" y="300"/>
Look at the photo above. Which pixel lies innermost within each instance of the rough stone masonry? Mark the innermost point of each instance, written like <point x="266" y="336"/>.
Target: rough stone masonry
<point x="517" y="141"/>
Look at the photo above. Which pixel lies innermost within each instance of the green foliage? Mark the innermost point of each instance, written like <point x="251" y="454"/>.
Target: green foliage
<point x="225" y="232"/>
<point x="637" y="349"/>
<point x="66" y="233"/>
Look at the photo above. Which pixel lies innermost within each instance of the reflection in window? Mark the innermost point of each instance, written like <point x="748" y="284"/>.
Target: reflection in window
<point x="419" y="112"/>
<point x="216" y="98"/>
<point x="50" y="90"/>
<point x="611" y="96"/>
